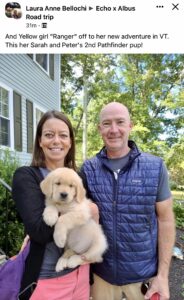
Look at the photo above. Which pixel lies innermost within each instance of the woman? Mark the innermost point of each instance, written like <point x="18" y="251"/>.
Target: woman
<point x="54" y="147"/>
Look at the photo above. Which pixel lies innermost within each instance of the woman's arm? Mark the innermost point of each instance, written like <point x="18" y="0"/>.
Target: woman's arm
<point x="30" y="204"/>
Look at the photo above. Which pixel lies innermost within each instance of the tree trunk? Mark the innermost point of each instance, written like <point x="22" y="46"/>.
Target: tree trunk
<point x="84" y="138"/>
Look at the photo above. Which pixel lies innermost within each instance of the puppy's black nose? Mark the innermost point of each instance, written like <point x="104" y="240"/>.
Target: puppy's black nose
<point x="63" y="195"/>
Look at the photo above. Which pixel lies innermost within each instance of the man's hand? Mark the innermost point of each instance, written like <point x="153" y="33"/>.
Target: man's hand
<point x="158" y="285"/>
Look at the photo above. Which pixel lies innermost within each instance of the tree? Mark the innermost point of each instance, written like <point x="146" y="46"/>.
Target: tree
<point x="87" y="74"/>
<point x="149" y="84"/>
<point x="11" y="229"/>
<point x="151" y="90"/>
<point x="175" y="162"/>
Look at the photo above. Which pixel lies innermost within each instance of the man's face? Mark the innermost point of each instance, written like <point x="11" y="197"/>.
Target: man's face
<point x="115" y="127"/>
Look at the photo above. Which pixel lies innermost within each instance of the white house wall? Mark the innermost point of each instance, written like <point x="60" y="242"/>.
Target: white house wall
<point x="21" y="74"/>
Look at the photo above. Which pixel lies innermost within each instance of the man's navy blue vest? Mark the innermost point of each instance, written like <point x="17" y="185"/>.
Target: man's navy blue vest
<point x="127" y="214"/>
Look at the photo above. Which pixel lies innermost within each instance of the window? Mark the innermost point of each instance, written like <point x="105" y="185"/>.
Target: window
<point x="17" y="111"/>
<point x="39" y="114"/>
<point x="10" y="118"/>
<point x="45" y="61"/>
<point x="29" y="114"/>
<point x="34" y="114"/>
<point x="4" y="117"/>
<point x="42" y="60"/>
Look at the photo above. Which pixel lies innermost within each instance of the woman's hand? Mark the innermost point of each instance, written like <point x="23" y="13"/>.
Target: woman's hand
<point x="94" y="211"/>
<point x="25" y="241"/>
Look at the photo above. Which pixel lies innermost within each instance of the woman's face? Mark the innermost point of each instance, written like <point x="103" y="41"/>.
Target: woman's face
<point x="55" y="142"/>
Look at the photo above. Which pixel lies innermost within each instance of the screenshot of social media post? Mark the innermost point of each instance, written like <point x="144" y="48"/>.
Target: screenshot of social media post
<point x="112" y="73"/>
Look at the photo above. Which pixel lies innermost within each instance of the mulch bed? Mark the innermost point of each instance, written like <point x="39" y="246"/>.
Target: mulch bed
<point x="176" y="278"/>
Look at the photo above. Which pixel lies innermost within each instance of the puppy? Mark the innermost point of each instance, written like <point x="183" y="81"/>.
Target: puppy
<point x="69" y="210"/>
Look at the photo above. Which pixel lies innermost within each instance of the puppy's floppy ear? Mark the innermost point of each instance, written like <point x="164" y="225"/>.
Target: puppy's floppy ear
<point x="47" y="186"/>
<point x="81" y="192"/>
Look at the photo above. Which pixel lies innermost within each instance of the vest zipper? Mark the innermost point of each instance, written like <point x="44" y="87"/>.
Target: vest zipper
<point x="115" y="225"/>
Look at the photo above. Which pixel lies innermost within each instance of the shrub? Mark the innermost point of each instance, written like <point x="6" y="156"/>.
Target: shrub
<point x="173" y="185"/>
<point x="179" y="214"/>
<point x="11" y="229"/>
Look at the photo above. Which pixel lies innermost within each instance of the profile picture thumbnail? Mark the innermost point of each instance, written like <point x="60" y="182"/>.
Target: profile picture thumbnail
<point x="13" y="10"/>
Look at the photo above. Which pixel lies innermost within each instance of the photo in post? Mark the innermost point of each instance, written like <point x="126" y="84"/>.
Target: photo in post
<point x="13" y="10"/>
<point x="77" y="58"/>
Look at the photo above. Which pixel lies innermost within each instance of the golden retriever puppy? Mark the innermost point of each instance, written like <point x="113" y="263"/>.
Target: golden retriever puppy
<point x="69" y="210"/>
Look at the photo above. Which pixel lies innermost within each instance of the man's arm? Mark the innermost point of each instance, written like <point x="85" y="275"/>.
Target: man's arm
<point x="166" y="235"/>
<point x="166" y="239"/>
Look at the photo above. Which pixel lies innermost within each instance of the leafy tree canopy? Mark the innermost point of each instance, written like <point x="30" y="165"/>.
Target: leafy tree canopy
<point x="150" y="85"/>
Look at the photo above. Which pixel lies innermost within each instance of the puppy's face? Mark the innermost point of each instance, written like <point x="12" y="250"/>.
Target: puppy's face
<point x="63" y="185"/>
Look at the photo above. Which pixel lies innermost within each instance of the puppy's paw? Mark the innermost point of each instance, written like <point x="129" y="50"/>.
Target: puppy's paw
<point x="97" y="259"/>
<point x="60" y="238"/>
<point x="50" y="216"/>
<point x="74" y="261"/>
<point x="91" y="258"/>
<point x="61" y="264"/>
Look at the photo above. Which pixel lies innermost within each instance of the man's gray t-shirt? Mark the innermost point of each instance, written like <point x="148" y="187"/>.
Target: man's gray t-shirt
<point x="116" y="164"/>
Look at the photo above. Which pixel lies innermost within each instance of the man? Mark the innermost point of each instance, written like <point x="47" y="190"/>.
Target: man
<point x="134" y="200"/>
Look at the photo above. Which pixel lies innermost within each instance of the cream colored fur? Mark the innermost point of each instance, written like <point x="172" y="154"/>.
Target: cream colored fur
<point x="69" y="210"/>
